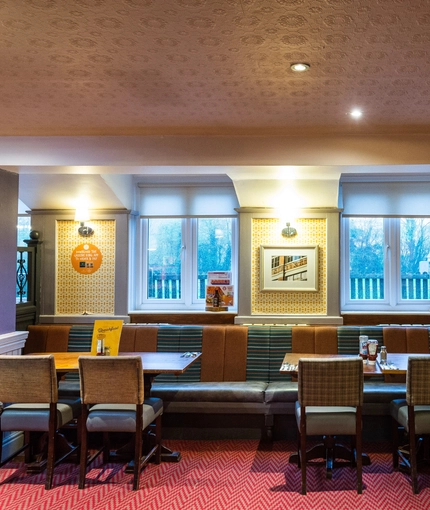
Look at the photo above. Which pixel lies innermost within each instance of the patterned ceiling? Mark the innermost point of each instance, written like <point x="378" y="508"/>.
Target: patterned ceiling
<point x="202" y="67"/>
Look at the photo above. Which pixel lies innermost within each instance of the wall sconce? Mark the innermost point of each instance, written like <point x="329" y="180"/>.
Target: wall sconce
<point x="289" y="231"/>
<point x="82" y="216"/>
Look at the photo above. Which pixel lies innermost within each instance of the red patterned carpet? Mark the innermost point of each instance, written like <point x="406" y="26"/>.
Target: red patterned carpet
<point x="218" y="475"/>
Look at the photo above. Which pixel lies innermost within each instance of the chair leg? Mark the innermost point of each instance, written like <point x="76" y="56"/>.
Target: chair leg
<point x="299" y="465"/>
<point x="51" y="445"/>
<point x="138" y="447"/>
<point x="412" y="449"/>
<point x="50" y="460"/>
<point x="359" y="449"/>
<point x="84" y="448"/>
<point x="303" y="459"/>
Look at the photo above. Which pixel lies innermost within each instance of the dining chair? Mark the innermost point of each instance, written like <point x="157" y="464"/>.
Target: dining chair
<point x="28" y="389"/>
<point x="330" y="398"/>
<point x="413" y="415"/>
<point x="112" y="395"/>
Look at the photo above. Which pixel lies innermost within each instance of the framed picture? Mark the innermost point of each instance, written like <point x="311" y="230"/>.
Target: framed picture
<point x="289" y="268"/>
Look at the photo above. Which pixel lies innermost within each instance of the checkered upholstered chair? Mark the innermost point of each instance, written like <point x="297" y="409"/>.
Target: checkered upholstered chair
<point x="29" y="385"/>
<point x="412" y="414"/>
<point x="330" y="398"/>
<point x="113" y="401"/>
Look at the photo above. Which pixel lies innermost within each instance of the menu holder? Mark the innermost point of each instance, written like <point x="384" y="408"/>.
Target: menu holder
<point x="106" y="337"/>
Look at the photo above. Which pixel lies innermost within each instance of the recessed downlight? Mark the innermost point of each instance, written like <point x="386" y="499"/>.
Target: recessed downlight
<point x="299" y="67"/>
<point x="356" y="113"/>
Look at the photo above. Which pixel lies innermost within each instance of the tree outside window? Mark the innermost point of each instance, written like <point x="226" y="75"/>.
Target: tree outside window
<point x="387" y="261"/>
<point x="180" y="253"/>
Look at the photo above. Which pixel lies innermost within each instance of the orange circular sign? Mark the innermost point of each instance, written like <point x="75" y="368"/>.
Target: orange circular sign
<point x="86" y="258"/>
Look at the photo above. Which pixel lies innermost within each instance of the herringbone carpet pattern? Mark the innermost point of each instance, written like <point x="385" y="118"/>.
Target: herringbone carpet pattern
<point x="219" y="475"/>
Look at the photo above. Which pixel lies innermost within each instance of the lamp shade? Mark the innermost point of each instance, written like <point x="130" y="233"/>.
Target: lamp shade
<point x="82" y="214"/>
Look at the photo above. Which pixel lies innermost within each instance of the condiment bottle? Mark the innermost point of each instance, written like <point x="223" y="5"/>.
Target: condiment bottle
<point x="383" y="355"/>
<point x="363" y="339"/>
<point x="215" y="299"/>
<point x="100" y="347"/>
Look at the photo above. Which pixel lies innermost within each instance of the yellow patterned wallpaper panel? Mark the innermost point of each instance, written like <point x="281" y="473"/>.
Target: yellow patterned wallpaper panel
<point x="78" y="292"/>
<point x="310" y="232"/>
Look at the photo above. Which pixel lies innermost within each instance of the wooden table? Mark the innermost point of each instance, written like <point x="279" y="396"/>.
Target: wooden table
<point x="154" y="363"/>
<point x="291" y="361"/>
<point x="319" y="451"/>
<point x="397" y="362"/>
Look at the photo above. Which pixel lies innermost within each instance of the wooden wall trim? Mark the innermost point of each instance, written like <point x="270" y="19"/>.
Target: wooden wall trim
<point x="351" y="319"/>
<point x="183" y="318"/>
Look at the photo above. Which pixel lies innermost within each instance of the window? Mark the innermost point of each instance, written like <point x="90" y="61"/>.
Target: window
<point x="177" y="255"/>
<point x="187" y="228"/>
<point x="23" y="229"/>
<point x="24" y="261"/>
<point x="386" y="263"/>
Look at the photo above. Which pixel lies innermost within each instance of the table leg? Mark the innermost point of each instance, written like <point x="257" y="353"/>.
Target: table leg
<point x="167" y="455"/>
<point x="329" y="450"/>
<point x="63" y="449"/>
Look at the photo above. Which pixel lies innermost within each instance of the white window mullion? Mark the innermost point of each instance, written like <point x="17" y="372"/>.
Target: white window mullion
<point x="187" y="261"/>
<point x="392" y="269"/>
<point x="194" y="266"/>
<point x="141" y="272"/>
<point x="346" y="280"/>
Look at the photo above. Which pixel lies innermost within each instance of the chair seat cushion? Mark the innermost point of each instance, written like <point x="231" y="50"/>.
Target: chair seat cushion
<point x="122" y="417"/>
<point x="35" y="417"/>
<point x="399" y="411"/>
<point x="246" y="391"/>
<point x="328" y="421"/>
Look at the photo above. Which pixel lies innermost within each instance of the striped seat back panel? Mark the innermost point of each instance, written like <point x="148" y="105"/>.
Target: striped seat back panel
<point x="80" y="338"/>
<point x="181" y="339"/>
<point x="280" y="344"/>
<point x="257" y="360"/>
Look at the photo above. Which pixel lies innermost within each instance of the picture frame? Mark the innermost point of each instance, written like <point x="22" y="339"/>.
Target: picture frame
<point x="289" y="268"/>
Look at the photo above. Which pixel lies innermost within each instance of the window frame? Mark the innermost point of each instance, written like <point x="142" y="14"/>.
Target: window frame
<point x="393" y="301"/>
<point x="189" y="269"/>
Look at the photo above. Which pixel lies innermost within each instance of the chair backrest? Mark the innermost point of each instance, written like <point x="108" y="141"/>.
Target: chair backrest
<point x="418" y="381"/>
<point x="28" y="379"/>
<point x="330" y="382"/>
<point x="111" y="379"/>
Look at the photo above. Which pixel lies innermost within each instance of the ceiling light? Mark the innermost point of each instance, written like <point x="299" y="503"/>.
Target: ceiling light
<point x="299" y="67"/>
<point x="356" y="113"/>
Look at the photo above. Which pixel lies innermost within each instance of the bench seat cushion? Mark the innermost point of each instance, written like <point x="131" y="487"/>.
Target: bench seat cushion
<point x="285" y="391"/>
<point x="251" y="392"/>
<point x="380" y="392"/>
<point x="373" y="392"/>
